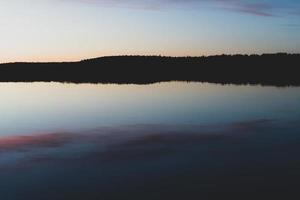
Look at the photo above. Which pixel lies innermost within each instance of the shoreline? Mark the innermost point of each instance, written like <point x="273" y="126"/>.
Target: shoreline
<point x="265" y="70"/>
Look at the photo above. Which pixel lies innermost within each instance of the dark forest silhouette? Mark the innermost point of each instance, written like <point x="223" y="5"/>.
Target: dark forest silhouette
<point x="267" y="69"/>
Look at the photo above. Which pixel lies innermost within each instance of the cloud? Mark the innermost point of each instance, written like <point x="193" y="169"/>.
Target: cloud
<point x="258" y="8"/>
<point x="253" y="8"/>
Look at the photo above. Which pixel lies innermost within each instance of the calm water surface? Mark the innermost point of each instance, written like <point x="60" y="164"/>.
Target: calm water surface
<point x="29" y="108"/>
<point x="170" y="140"/>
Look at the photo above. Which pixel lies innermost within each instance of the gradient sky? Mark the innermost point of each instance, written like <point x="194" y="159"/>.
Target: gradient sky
<point x="57" y="30"/>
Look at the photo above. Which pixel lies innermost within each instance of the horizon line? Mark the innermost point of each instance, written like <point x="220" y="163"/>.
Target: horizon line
<point x="141" y="55"/>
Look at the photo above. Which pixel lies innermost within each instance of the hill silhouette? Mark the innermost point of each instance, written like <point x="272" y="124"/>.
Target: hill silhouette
<point x="268" y="69"/>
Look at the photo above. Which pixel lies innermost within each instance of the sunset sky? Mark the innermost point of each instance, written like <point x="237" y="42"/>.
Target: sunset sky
<point x="63" y="30"/>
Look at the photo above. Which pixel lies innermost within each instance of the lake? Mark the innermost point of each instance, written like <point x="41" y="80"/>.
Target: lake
<point x="170" y="140"/>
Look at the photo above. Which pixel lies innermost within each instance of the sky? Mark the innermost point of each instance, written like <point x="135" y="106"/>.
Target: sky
<point x="71" y="30"/>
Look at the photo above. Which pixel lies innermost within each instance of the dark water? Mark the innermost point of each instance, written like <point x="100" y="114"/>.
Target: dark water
<point x="172" y="140"/>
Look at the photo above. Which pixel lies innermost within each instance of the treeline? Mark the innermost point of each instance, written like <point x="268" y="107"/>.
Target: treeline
<point x="267" y="69"/>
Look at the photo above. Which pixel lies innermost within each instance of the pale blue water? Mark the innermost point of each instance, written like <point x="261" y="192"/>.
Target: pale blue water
<point x="29" y="108"/>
